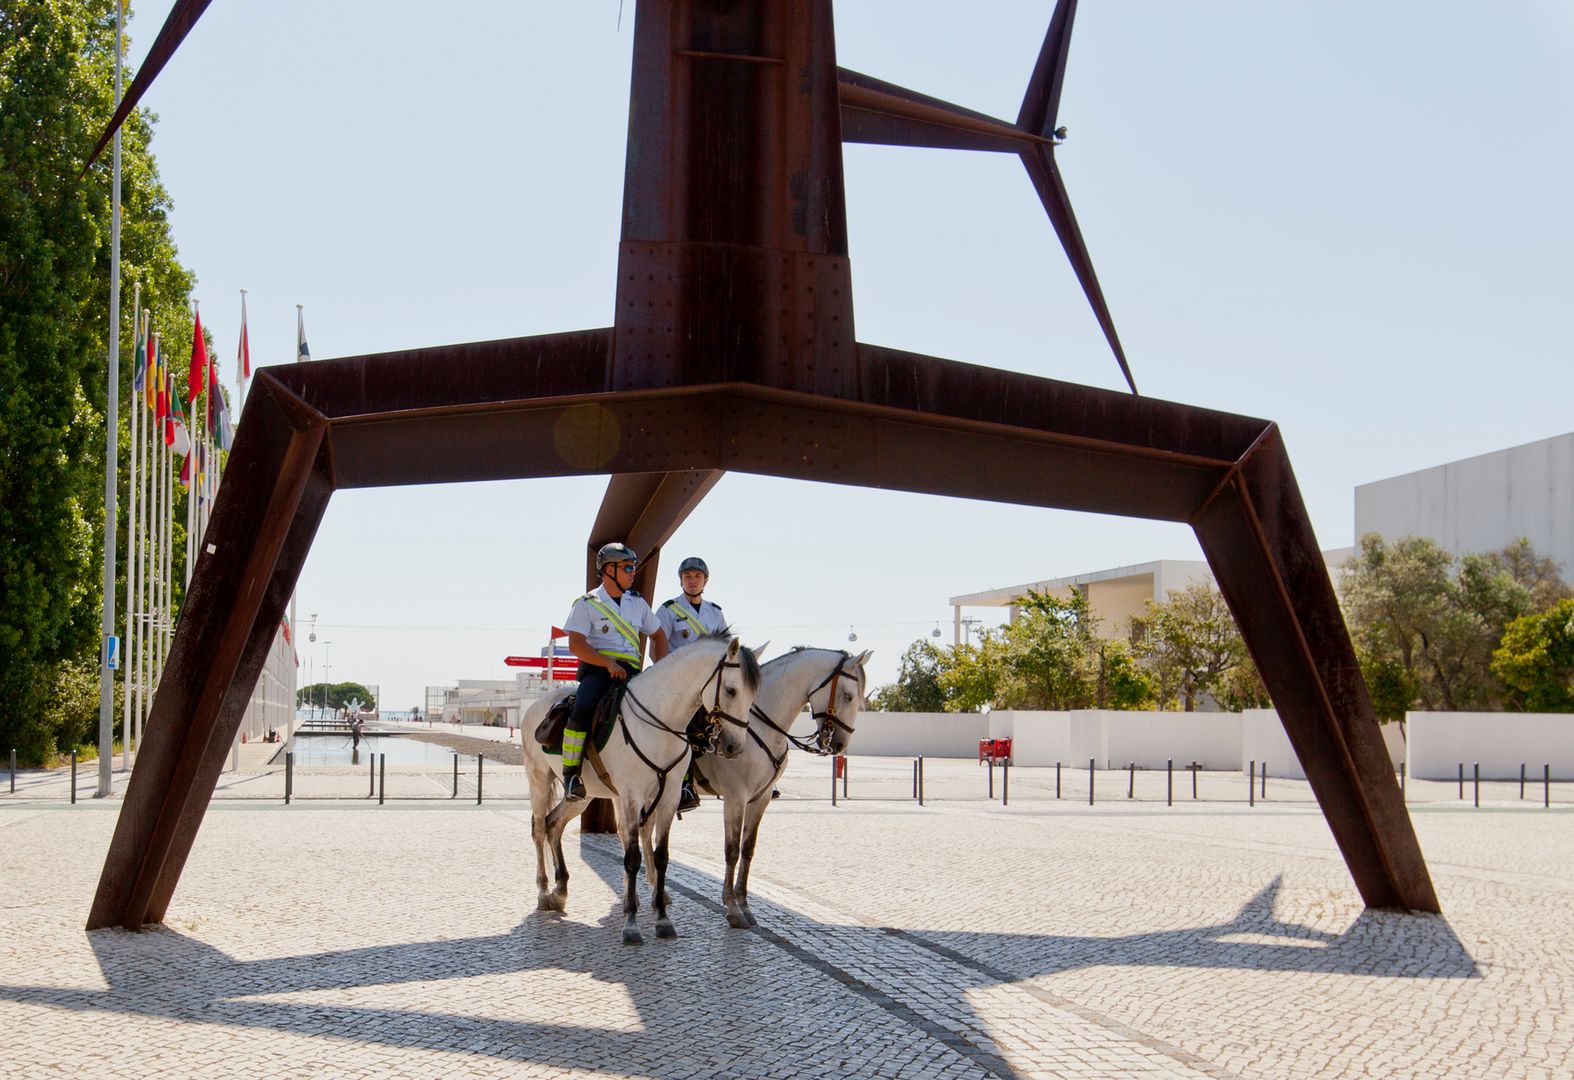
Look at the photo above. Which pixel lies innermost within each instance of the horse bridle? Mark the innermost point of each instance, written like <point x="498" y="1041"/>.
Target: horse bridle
<point x="820" y="742"/>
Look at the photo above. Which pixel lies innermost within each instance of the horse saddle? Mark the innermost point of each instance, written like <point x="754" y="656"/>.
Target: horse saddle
<point x="549" y="733"/>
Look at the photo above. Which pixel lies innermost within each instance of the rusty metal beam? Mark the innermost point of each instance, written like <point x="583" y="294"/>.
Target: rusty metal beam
<point x="274" y="493"/>
<point x="1258" y="539"/>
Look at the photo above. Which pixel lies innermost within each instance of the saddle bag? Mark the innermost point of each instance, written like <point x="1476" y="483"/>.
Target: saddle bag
<point x="549" y="733"/>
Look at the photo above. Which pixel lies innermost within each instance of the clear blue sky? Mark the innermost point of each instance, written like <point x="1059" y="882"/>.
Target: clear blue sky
<point x="1353" y="219"/>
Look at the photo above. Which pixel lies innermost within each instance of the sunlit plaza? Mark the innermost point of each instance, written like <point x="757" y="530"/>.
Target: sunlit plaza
<point x="1220" y="937"/>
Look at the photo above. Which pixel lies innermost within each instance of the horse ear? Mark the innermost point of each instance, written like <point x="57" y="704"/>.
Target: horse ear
<point x="759" y="650"/>
<point x="732" y="648"/>
<point x="863" y="658"/>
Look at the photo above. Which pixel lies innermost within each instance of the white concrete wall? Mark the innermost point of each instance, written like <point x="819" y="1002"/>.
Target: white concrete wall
<point x="1263" y="740"/>
<point x="1113" y="739"/>
<point x="1037" y="738"/>
<point x="273" y="699"/>
<point x="904" y="734"/>
<point x="1500" y="742"/>
<point x="1481" y="504"/>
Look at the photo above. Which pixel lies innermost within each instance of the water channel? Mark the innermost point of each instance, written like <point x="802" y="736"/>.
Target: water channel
<point x="336" y="749"/>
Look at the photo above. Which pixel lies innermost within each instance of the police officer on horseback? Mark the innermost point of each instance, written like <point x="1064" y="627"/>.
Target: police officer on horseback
<point x="686" y="618"/>
<point x="606" y="631"/>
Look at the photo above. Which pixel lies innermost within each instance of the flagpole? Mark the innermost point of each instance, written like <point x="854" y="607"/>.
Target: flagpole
<point x="106" y="679"/>
<point x="127" y="676"/>
<point x="145" y="558"/>
<point x="155" y="469"/>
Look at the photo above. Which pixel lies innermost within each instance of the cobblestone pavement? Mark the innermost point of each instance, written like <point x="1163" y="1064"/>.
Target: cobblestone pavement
<point x="955" y="940"/>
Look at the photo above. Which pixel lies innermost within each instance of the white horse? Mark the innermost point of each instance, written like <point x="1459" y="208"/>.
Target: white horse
<point x="641" y="769"/>
<point x="831" y="683"/>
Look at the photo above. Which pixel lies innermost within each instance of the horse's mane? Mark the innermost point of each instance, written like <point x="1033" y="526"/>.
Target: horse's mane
<point x="749" y="663"/>
<point x="796" y="649"/>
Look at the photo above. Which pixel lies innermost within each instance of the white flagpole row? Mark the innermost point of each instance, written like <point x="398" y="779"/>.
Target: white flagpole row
<point x="145" y="519"/>
<point x="128" y="647"/>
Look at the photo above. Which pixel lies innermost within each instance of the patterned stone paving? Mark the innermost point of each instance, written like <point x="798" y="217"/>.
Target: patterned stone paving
<point x="957" y="940"/>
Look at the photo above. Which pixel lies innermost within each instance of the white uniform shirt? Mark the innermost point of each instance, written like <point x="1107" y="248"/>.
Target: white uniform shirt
<point x="602" y="633"/>
<point x="680" y="631"/>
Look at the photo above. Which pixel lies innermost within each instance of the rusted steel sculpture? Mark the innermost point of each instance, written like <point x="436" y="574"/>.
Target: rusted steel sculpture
<point x="733" y="348"/>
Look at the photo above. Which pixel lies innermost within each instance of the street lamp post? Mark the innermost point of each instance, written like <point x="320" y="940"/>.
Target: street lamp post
<point x="326" y="668"/>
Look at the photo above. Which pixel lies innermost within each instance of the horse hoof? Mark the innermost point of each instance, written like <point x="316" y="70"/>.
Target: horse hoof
<point x="738" y="920"/>
<point x="549" y="902"/>
<point x="753" y="922"/>
<point x="632" y="936"/>
<point x="666" y="930"/>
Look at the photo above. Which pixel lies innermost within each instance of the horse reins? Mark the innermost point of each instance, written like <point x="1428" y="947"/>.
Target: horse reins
<point x="713" y="717"/>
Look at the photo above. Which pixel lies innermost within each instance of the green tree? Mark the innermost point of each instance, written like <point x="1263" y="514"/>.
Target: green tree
<point x="56" y="85"/>
<point x="1426" y="625"/>
<point x="335" y="695"/>
<point x="917" y="686"/>
<point x="1536" y="660"/>
<point x="1192" y="647"/>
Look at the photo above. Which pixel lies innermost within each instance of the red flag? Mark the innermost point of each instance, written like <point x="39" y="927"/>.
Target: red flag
<point x="198" y="379"/>
<point x="161" y="375"/>
<point x="243" y="355"/>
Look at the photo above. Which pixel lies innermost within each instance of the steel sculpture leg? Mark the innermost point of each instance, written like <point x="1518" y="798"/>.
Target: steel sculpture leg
<point x="273" y="497"/>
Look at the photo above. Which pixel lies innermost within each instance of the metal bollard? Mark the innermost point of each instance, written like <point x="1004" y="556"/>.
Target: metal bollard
<point x="1057" y="779"/>
<point x="1251" y="785"/>
<point x="1476" y="766"/>
<point x="833" y="781"/>
<point x="382" y="777"/>
<point x="991" y="778"/>
<point x="920" y="779"/>
<point x="1169" y="782"/>
<point x="1461" y="781"/>
<point x="1194" y="781"/>
<point x="1005" y="782"/>
<point x="1131" y="786"/>
<point x="844" y="776"/>
<point x="73" y="777"/>
<point x="289" y="775"/>
<point x="915" y="779"/>
<point x="1546" y="785"/>
<point x="480" y="760"/>
<point x="13" y="772"/>
<point x="1090" y="781"/>
<point x="371" y="776"/>
<point x="1521" y="779"/>
<point x="455" y="795"/>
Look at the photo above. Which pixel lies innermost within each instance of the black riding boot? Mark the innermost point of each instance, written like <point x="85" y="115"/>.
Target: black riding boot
<point x="573" y="786"/>
<point x="688" y="798"/>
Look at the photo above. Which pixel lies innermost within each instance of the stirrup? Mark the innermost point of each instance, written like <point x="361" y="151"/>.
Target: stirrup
<point x="573" y="788"/>
<point x="688" y="799"/>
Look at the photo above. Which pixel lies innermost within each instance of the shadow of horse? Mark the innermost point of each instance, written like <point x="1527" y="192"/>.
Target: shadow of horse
<point x="715" y="1001"/>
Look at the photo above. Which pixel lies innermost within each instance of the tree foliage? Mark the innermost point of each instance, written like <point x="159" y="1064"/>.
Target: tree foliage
<point x="1536" y="660"/>
<point x="1192" y="648"/>
<point x="917" y="686"/>
<point x="336" y="696"/>
<point x="56" y="90"/>
<point x="1426" y="625"/>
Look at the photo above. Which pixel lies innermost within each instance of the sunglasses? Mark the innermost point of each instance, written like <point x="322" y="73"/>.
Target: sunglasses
<point x="628" y="567"/>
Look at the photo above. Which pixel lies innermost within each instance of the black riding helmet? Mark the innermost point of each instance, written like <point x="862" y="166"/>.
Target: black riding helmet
<point x="693" y="562"/>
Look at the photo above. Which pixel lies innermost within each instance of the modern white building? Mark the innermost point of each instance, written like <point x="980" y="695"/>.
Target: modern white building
<point x="1483" y="503"/>
<point x="489" y="702"/>
<point x="1114" y="595"/>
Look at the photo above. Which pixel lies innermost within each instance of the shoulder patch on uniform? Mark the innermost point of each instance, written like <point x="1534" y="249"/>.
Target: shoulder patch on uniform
<point x="716" y="606"/>
<point x="634" y="593"/>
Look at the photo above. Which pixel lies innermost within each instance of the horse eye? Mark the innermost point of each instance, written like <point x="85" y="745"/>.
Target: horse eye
<point x="732" y="691"/>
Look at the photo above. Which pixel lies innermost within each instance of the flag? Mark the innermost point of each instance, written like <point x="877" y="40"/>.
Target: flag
<point x="139" y="375"/>
<point x="151" y="342"/>
<point x="199" y="359"/>
<point x="194" y="457"/>
<point x="176" y="437"/>
<point x="219" y="414"/>
<point x="161" y="377"/>
<point x="301" y="351"/>
<point x="243" y="353"/>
